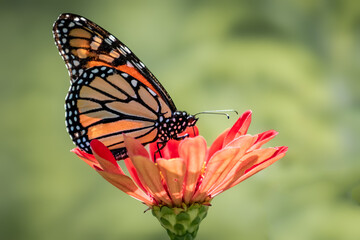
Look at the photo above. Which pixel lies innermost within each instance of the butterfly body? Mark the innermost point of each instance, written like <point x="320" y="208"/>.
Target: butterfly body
<point x="112" y="92"/>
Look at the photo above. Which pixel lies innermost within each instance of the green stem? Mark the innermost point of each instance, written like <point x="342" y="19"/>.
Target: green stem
<point x="181" y="222"/>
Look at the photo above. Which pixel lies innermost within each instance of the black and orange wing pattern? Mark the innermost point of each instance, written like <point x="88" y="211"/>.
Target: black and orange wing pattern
<point x="105" y="103"/>
<point x="83" y="44"/>
<point x="112" y="92"/>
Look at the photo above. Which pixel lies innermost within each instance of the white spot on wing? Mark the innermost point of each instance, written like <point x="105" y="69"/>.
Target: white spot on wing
<point x="129" y="64"/>
<point x="152" y="92"/>
<point x="108" y="41"/>
<point x="134" y="83"/>
<point x="126" y="49"/>
<point x="112" y="38"/>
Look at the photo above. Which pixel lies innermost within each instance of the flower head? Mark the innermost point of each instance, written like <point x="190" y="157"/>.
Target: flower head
<point x="179" y="181"/>
<point x="186" y="172"/>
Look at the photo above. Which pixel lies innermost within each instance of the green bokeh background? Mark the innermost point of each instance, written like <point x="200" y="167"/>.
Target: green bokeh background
<point x="296" y="64"/>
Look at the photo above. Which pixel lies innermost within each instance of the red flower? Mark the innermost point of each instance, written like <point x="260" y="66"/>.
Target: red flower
<point x="187" y="171"/>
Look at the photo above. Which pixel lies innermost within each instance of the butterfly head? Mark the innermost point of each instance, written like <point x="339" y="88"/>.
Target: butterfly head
<point x="191" y="120"/>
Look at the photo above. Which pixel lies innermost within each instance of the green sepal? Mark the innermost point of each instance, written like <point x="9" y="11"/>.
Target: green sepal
<point x="181" y="222"/>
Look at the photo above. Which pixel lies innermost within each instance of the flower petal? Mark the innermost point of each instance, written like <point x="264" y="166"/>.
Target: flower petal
<point x="105" y="157"/>
<point x="134" y="147"/>
<point x="193" y="151"/>
<point x="255" y="167"/>
<point x="150" y="178"/>
<point x="217" y="144"/>
<point x="222" y="162"/>
<point x="263" y="138"/>
<point x="246" y="162"/>
<point x="112" y="172"/>
<point x="134" y="175"/>
<point x="125" y="184"/>
<point x="173" y="171"/>
<point x="239" y="128"/>
<point x="238" y="142"/>
<point x="213" y="171"/>
<point x="87" y="157"/>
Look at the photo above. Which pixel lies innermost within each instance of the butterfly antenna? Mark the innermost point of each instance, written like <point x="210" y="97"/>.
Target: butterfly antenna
<point x="219" y="112"/>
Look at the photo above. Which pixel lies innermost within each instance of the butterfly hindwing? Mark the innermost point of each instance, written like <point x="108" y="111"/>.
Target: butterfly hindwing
<point x="105" y="103"/>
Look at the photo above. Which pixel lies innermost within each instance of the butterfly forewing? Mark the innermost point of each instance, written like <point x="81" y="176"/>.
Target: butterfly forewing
<point x="83" y="44"/>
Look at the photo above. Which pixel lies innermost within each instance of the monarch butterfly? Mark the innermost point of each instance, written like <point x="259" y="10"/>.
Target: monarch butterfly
<point x="112" y="92"/>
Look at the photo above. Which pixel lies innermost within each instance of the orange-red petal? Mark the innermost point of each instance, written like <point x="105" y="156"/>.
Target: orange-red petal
<point x="105" y="158"/>
<point x="242" y="143"/>
<point x="221" y="164"/>
<point x="217" y="144"/>
<point x="193" y="151"/>
<point x="134" y="147"/>
<point x="125" y="184"/>
<point x="239" y="128"/>
<point x="87" y="157"/>
<point x="150" y="177"/>
<point x="280" y="152"/>
<point x="173" y="171"/>
<point x="263" y="138"/>
<point x="133" y="173"/>
<point x="247" y="161"/>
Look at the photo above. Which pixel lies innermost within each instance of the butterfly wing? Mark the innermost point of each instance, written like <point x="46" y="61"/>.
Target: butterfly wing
<point x="105" y="103"/>
<point x="83" y="44"/>
<point x="112" y="92"/>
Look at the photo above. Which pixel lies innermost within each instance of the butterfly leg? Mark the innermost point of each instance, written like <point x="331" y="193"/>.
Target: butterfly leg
<point x="160" y="146"/>
<point x="178" y="138"/>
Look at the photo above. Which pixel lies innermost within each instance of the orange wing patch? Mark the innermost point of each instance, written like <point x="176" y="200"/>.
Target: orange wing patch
<point x="121" y="83"/>
<point x="144" y="136"/>
<point x="79" y="43"/>
<point x="94" y="117"/>
<point x="148" y="99"/>
<point x="132" y="108"/>
<point x="85" y="105"/>
<point x="80" y="33"/>
<point x="105" y="129"/>
<point x="135" y="73"/>
<point x="101" y="84"/>
<point x="88" y="93"/>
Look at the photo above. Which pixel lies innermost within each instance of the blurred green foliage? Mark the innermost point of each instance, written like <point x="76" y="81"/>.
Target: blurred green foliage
<point x="296" y="64"/>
